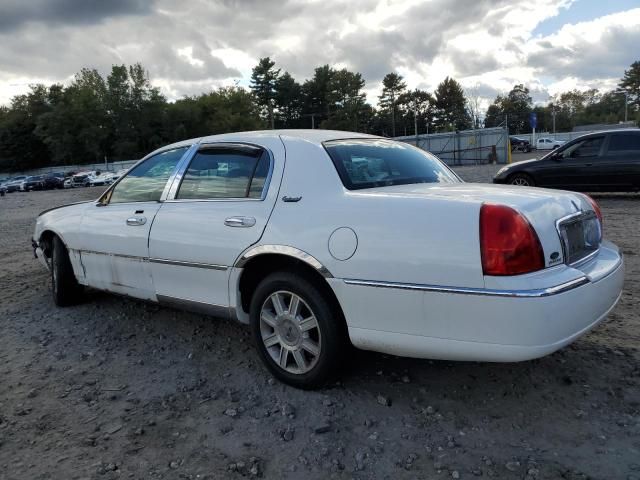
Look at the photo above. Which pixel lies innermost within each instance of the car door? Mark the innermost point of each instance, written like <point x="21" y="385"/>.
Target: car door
<point x="574" y="166"/>
<point x="217" y="207"/>
<point x="584" y="163"/>
<point x="620" y="166"/>
<point x="115" y="231"/>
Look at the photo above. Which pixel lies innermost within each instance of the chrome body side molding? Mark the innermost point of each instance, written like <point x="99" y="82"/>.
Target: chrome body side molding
<point x="163" y="261"/>
<point x="283" y="250"/>
<point x="541" y="292"/>
<point x="179" y="263"/>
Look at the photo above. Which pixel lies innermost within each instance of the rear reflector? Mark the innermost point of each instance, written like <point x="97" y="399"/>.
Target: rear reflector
<point x="508" y="243"/>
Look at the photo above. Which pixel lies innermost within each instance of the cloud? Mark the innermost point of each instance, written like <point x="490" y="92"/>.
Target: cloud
<point x="15" y="13"/>
<point x="590" y="50"/>
<point x="198" y="44"/>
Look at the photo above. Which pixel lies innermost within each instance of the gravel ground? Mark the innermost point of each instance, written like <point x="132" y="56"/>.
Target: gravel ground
<point x="116" y="388"/>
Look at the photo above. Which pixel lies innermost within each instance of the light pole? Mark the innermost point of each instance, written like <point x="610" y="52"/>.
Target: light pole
<point x="553" y="114"/>
<point x="626" y="102"/>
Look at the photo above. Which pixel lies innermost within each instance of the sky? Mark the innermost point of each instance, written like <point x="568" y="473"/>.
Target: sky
<point x="194" y="46"/>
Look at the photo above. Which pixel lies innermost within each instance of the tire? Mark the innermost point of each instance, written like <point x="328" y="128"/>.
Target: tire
<point x="296" y="350"/>
<point x="522" y="180"/>
<point x="66" y="289"/>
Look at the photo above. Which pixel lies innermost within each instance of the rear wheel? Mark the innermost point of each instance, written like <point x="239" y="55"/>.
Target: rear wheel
<point x="299" y="335"/>
<point x="66" y="289"/>
<point x="522" y="180"/>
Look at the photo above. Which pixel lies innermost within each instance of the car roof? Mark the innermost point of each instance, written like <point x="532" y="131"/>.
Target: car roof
<point x="312" y="135"/>
<point x="616" y="130"/>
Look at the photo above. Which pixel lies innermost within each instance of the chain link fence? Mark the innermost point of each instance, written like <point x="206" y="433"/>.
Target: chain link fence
<point x="465" y="147"/>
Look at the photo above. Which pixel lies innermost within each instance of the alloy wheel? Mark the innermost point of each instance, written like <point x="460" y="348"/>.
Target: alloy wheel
<point x="290" y="332"/>
<point x="521" y="181"/>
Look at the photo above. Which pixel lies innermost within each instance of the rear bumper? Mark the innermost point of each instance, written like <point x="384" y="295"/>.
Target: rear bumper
<point x="482" y="325"/>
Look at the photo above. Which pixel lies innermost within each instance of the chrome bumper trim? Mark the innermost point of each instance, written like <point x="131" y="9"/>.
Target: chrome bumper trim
<point x="535" y="293"/>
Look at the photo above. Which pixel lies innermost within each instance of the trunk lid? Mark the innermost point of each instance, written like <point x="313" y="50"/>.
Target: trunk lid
<point x="548" y="211"/>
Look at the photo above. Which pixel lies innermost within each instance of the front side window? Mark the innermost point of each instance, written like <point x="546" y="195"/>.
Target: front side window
<point x="225" y="172"/>
<point x="145" y="182"/>
<point x="624" y="142"/>
<point x="589" y="147"/>
<point x="368" y="163"/>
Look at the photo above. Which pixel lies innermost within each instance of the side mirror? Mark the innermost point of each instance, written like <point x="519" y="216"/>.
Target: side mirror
<point x="556" y="156"/>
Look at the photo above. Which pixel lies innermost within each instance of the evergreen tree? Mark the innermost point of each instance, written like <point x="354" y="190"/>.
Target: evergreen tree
<point x="451" y="110"/>
<point x="393" y="86"/>
<point x="631" y="84"/>
<point x="346" y="100"/>
<point x="264" y="78"/>
<point x="315" y="92"/>
<point x="288" y="101"/>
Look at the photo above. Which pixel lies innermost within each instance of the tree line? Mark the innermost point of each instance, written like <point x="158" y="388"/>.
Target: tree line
<point x="568" y="109"/>
<point x="122" y="116"/>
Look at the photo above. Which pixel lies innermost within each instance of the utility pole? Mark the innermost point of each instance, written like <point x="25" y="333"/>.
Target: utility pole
<point x="415" y="124"/>
<point x="313" y="119"/>
<point x="626" y="103"/>
<point x="553" y="115"/>
<point x="393" y="117"/>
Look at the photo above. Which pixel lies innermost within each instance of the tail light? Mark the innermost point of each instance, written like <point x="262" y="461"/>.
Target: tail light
<point x="508" y="243"/>
<point x="596" y="208"/>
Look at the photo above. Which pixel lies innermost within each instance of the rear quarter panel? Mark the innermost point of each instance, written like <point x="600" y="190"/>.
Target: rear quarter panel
<point x="409" y="240"/>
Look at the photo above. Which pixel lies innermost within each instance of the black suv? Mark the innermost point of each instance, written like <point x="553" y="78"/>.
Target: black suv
<point x="605" y="161"/>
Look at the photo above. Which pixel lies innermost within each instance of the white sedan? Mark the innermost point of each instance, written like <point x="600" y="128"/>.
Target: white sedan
<point x="545" y="143"/>
<point x="321" y="239"/>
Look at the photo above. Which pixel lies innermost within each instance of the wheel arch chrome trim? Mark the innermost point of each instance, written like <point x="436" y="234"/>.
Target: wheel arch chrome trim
<point x="285" y="250"/>
<point x="533" y="293"/>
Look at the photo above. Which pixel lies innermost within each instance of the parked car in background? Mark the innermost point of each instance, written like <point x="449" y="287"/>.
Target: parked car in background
<point x="600" y="161"/>
<point x="81" y="179"/>
<point x="13" y="184"/>
<point x="98" y="179"/>
<point x="519" y="143"/>
<point x="34" y="182"/>
<point x="54" y="180"/>
<point x="3" y="188"/>
<point x="68" y="183"/>
<point x="546" y="143"/>
<point x="300" y="251"/>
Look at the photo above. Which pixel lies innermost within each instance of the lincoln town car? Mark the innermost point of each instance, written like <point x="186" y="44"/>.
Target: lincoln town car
<point x="322" y="241"/>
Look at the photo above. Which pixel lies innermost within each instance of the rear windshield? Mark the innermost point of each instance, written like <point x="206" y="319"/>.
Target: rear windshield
<point x="368" y="163"/>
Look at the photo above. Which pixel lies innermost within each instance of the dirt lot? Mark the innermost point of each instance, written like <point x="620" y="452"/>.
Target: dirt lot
<point x="115" y="388"/>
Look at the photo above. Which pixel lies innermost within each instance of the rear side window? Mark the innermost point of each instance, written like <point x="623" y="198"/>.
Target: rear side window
<point x="225" y="172"/>
<point x="145" y="182"/>
<point x="624" y="142"/>
<point x="368" y="163"/>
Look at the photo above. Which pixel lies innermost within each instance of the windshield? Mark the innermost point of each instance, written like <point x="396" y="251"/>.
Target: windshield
<point x="368" y="163"/>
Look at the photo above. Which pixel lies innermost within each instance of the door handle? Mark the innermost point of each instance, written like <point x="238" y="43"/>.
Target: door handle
<point x="240" y="222"/>
<point x="136" y="221"/>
